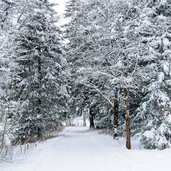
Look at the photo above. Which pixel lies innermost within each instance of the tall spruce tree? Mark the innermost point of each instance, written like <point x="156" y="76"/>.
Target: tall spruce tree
<point x="40" y="84"/>
<point x="154" y="112"/>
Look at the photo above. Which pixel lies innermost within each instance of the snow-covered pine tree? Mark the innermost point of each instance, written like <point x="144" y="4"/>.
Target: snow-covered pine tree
<point x="7" y="28"/>
<point x="40" y="88"/>
<point x="155" y="111"/>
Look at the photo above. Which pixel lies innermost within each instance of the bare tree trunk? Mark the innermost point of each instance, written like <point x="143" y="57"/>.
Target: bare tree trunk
<point x="4" y="130"/>
<point x="39" y="129"/>
<point x="39" y="133"/>
<point x="84" y="118"/>
<point x="3" y="149"/>
<point x="91" y="117"/>
<point x="92" y="121"/>
<point x="127" y="119"/>
<point x="116" y="114"/>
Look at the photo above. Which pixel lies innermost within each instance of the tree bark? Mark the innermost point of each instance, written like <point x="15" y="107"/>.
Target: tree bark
<point x="116" y="114"/>
<point x="39" y="101"/>
<point x="4" y="130"/>
<point x="39" y="133"/>
<point x="127" y="119"/>
<point x="91" y="117"/>
<point x="84" y="119"/>
<point x="92" y="121"/>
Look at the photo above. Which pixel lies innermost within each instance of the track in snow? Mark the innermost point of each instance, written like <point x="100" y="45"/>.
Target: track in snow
<point x="78" y="149"/>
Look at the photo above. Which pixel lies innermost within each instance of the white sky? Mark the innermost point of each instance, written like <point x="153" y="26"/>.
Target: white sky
<point x="60" y="8"/>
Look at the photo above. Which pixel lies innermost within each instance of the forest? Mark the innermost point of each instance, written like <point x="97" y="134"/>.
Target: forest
<point x="111" y="63"/>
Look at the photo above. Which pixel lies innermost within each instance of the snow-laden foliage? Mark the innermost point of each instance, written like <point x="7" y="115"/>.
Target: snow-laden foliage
<point x="119" y="67"/>
<point x="155" y="108"/>
<point x="40" y="73"/>
<point x="118" y="45"/>
<point x="33" y="71"/>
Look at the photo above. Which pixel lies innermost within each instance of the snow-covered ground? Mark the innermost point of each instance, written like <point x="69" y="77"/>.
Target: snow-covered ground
<point x="78" y="149"/>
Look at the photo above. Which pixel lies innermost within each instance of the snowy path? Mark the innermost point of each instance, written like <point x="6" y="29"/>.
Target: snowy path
<point x="78" y="149"/>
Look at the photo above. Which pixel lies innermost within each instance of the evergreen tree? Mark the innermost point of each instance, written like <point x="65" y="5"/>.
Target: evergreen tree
<point x="154" y="112"/>
<point x="40" y="87"/>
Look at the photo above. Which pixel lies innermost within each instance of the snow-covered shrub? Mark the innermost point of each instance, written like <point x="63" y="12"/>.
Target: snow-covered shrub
<point x="154" y="121"/>
<point x="157" y="138"/>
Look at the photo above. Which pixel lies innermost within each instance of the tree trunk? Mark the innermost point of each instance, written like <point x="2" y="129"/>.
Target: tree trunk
<point x="39" y="101"/>
<point x="92" y="121"/>
<point x="116" y="114"/>
<point x="4" y="130"/>
<point x="91" y="117"/>
<point x="39" y="133"/>
<point x="84" y="118"/>
<point x="127" y="119"/>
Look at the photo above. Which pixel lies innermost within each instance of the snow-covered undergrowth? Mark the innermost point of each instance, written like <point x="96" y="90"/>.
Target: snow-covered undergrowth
<point x="78" y="148"/>
<point x="10" y="154"/>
